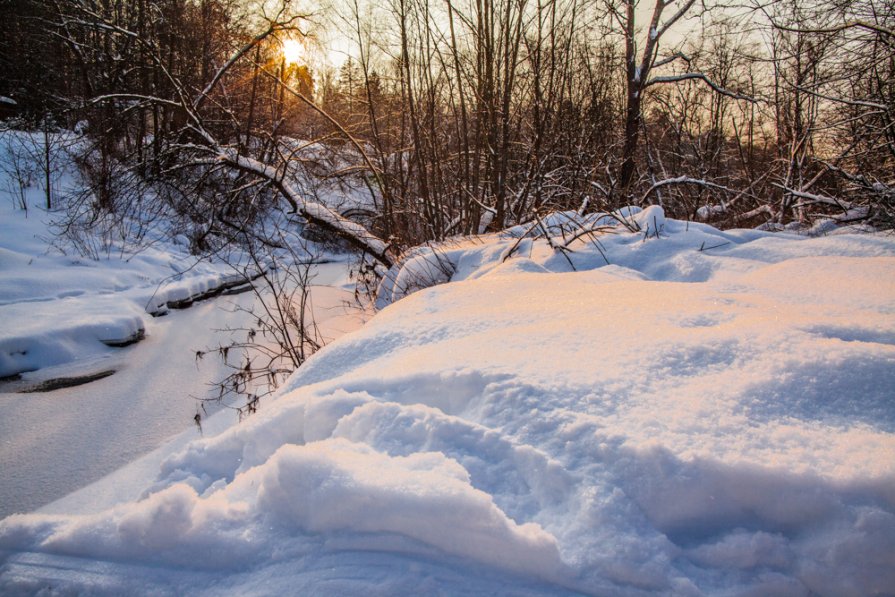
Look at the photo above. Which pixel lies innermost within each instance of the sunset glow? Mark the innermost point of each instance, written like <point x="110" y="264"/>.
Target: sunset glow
<point x="292" y="51"/>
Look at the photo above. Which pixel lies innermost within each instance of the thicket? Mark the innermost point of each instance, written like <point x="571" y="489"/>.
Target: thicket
<point x="460" y="117"/>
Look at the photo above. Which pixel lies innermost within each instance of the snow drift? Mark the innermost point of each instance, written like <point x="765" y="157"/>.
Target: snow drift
<point x="59" y="309"/>
<point x="690" y="412"/>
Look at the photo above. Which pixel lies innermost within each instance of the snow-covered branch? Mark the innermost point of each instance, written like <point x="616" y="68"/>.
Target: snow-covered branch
<point x="683" y="180"/>
<point x="874" y="186"/>
<point x="315" y="213"/>
<point x="150" y="99"/>
<point x="813" y="198"/>
<point x="702" y="77"/>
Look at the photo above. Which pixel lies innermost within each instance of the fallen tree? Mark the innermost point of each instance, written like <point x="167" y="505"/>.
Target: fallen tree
<point x="206" y="137"/>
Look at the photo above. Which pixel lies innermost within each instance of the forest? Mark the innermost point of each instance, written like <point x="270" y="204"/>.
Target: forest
<point x="447" y="297"/>
<point x="459" y="117"/>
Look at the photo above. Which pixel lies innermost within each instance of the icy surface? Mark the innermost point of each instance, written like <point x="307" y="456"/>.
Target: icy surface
<point x="707" y="413"/>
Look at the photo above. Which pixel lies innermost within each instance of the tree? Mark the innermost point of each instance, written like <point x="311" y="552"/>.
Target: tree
<point x="197" y="125"/>
<point x="641" y="59"/>
<point x="837" y="73"/>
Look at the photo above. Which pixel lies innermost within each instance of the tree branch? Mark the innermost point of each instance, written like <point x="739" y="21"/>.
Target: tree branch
<point x="702" y="77"/>
<point x="683" y="180"/>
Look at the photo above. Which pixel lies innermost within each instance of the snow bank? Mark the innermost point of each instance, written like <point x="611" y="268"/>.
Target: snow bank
<point x="47" y="333"/>
<point x="709" y="413"/>
<point x="343" y="486"/>
<point x="58" y="309"/>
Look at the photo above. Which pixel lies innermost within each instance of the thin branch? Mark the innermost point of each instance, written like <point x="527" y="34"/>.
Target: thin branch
<point x="670" y="59"/>
<point x="861" y="103"/>
<point x="272" y="28"/>
<point x="683" y="180"/>
<point x="847" y="25"/>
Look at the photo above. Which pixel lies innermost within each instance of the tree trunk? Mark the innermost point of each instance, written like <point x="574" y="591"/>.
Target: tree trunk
<point x="632" y="138"/>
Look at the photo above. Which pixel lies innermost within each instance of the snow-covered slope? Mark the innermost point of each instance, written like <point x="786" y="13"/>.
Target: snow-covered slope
<point x="711" y="413"/>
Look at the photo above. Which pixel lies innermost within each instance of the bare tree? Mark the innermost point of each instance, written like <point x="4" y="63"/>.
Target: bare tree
<point x="835" y="67"/>
<point x="642" y="58"/>
<point x="198" y="127"/>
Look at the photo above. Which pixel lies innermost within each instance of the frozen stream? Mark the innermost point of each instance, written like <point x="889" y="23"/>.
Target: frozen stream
<point x="56" y="442"/>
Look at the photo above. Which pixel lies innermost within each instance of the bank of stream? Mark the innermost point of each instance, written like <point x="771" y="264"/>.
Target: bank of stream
<point x="55" y="442"/>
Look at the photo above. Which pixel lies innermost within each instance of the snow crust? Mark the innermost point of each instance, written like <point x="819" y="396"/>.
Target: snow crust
<point x="676" y="410"/>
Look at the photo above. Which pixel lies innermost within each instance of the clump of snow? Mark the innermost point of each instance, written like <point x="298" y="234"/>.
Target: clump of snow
<point x="708" y="413"/>
<point x="421" y="268"/>
<point x="651" y="220"/>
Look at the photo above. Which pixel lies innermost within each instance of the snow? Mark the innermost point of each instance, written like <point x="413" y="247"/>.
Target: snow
<point x="707" y="413"/>
<point x="55" y="442"/>
<point x="67" y="316"/>
<point x="66" y="307"/>
<point x="420" y="268"/>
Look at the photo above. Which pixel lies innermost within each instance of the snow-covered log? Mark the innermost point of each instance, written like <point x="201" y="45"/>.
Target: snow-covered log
<point x="314" y="212"/>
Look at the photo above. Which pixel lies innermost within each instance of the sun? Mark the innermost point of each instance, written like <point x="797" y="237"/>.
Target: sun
<point x="292" y="51"/>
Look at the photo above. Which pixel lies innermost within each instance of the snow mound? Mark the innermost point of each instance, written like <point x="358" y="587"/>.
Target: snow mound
<point x="421" y="268"/>
<point x="50" y="333"/>
<point x="708" y="413"/>
<point x="616" y="243"/>
<point x="326" y="487"/>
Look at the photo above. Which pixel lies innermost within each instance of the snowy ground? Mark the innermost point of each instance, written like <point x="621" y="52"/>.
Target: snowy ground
<point x="59" y="311"/>
<point x="712" y="413"/>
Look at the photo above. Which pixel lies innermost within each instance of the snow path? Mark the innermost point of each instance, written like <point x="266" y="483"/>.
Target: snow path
<point x="56" y="442"/>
